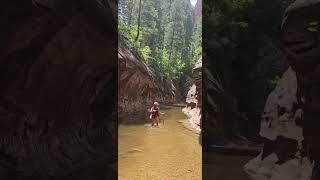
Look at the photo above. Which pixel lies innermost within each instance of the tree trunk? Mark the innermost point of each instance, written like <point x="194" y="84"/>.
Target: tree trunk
<point x="131" y="6"/>
<point x="139" y="18"/>
<point x="171" y="43"/>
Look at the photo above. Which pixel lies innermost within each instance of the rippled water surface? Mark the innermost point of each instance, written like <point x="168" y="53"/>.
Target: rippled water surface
<point x="168" y="152"/>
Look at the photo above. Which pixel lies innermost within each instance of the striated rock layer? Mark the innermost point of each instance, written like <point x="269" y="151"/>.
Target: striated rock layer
<point x="58" y="76"/>
<point x="138" y="86"/>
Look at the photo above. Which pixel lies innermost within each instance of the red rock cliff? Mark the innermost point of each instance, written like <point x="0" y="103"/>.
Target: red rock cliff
<point x="138" y="86"/>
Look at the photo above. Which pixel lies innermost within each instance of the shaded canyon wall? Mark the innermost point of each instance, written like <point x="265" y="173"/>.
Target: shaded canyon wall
<point x="194" y="97"/>
<point x="233" y="102"/>
<point x="58" y="76"/>
<point x="290" y="123"/>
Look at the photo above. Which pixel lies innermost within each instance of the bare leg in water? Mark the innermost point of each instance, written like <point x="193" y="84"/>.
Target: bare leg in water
<point x="157" y="120"/>
<point x="153" y="121"/>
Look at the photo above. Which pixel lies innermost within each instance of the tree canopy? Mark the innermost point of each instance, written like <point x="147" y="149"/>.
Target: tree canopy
<point x="165" y="32"/>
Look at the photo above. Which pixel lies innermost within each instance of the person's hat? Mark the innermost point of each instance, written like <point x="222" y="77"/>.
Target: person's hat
<point x="156" y="103"/>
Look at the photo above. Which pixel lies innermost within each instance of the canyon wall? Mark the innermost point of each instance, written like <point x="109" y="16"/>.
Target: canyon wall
<point x="234" y="96"/>
<point x="194" y="97"/>
<point x="290" y="123"/>
<point x="58" y="76"/>
<point x="282" y="156"/>
<point x="138" y="86"/>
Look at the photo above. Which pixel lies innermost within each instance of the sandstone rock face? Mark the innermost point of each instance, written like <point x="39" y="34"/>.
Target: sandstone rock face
<point x="138" y="87"/>
<point x="303" y="54"/>
<point x="197" y="79"/>
<point x="58" y="76"/>
<point x="194" y="97"/>
<point x="281" y="157"/>
<point x="214" y="113"/>
<point x="293" y="131"/>
<point x="281" y="112"/>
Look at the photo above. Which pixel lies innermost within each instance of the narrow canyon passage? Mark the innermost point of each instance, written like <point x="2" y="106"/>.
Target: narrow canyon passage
<point x="168" y="152"/>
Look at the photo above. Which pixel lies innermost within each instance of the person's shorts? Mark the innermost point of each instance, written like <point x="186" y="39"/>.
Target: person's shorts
<point x="154" y="116"/>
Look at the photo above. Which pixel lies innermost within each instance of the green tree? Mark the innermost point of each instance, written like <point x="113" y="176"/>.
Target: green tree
<point x="164" y="33"/>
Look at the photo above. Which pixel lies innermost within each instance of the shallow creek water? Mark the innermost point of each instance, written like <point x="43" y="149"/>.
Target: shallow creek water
<point x="168" y="152"/>
<point x="171" y="152"/>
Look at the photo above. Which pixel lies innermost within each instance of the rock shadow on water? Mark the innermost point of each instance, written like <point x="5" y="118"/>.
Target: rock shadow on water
<point x="140" y="118"/>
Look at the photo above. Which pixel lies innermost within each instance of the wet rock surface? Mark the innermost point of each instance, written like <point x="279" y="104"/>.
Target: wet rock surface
<point x="58" y="76"/>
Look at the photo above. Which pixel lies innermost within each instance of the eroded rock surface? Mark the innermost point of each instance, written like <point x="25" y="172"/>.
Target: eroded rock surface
<point x="58" y="76"/>
<point x="194" y="97"/>
<point x="282" y="156"/>
<point x="281" y="111"/>
<point x="138" y="86"/>
<point x="235" y="94"/>
<point x="292" y="132"/>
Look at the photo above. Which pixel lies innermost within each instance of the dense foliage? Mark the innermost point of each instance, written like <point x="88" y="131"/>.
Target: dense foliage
<point x="236" y="34"/>
<point x="231" y="28"/>
<point x="164" y="32"/>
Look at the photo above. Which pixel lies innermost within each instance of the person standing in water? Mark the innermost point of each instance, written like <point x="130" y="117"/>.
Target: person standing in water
<point x="155" y="114"/>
